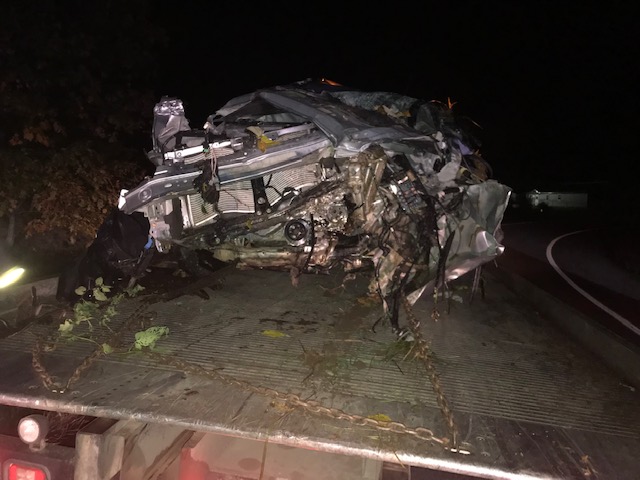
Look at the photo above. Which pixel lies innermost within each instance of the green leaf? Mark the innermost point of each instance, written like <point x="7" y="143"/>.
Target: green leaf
<point x="149" y="337"/>
<point x="133" y="291"/>
<point x="84" y="311"/>
<point x="98" y="295"/>
<point x="380" y="417"/>
<point x="80" y="290"/>
<point x="107" y="349"/>
<point x="117" y="298"/>
<point x="66" y="327"/>
<point x="274" y="334"/>
<point x="99" y="281"/>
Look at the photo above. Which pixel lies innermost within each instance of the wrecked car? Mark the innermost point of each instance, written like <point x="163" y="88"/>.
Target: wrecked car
<point x="310" y="176"/>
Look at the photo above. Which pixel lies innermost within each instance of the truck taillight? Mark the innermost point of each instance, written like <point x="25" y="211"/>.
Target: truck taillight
<point x="18" y="471"/>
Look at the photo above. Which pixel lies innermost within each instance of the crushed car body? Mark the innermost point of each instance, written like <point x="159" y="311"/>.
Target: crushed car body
<point x="309" y="176"/>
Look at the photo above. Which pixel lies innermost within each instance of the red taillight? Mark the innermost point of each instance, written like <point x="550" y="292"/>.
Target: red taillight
<point x="17" y="471"/>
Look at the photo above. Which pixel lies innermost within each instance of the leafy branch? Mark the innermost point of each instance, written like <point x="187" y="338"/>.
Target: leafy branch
<point x="103" y="309"/>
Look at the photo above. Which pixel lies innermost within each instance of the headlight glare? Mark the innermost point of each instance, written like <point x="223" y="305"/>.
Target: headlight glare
<point x="11" y="276"/>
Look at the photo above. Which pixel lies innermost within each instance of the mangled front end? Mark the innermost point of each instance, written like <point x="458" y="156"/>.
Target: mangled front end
<point x="304" y="179"/>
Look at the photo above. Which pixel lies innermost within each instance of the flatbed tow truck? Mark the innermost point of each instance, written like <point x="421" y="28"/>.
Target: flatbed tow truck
<point x="260" y="379"/>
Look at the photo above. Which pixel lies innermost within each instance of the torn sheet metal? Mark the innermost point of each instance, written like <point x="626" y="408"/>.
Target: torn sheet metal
<point x="307" y="177"/>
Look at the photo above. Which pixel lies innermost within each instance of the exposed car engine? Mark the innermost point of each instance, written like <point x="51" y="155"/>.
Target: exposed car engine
<point x="309" y="176"/>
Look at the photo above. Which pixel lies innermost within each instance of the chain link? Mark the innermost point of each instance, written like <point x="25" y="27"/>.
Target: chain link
<point x="424" y="354"/>
<point x="295" y="401"/>
<point x="50" y="344"/>
<point x="289" y="399"/>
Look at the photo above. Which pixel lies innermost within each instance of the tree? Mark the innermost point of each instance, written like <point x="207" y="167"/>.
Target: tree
<point x="75" y="110"/>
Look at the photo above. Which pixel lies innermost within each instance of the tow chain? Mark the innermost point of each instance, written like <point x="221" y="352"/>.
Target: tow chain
<point x="50" y="345"/>
<point x="423" y="353"/>
<point x="289" y="399"/>
<point x="114" y="341"/>
<point x="295" y="401"/>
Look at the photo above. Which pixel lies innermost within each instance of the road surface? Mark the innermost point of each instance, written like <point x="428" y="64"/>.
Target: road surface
<point x="571" y="260"/>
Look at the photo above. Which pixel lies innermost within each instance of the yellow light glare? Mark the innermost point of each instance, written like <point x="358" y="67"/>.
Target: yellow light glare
<point x="11" y="276"/>
<point x="330" y="82"/>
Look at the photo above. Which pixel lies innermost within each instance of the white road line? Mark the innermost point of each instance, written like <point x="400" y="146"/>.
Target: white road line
<point x="586" y="295"/>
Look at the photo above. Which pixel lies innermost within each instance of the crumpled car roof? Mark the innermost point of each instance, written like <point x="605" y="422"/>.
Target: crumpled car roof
<point x="437" y="143"/>
<point x="353" y="120"/>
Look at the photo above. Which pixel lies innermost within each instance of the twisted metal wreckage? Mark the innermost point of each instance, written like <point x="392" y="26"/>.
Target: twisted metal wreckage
<point x="308" y="176"/>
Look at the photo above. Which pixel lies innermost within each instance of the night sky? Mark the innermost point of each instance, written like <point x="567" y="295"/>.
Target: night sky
<point x="553" y="87"/>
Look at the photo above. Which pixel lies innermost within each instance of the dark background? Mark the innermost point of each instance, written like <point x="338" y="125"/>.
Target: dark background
<point x="553" y="86"/>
